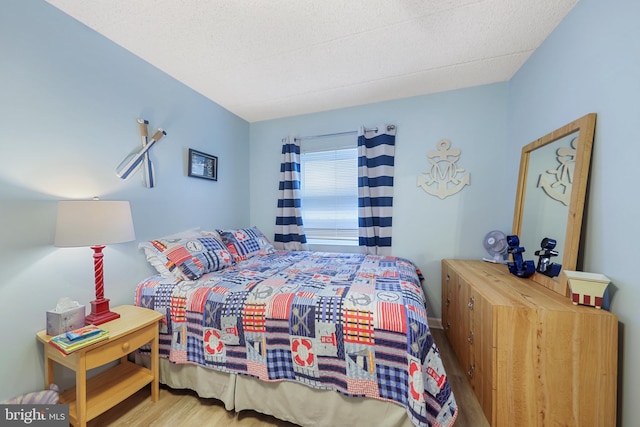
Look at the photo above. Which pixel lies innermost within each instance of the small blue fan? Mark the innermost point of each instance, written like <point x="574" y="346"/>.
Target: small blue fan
<point x="495" y="243"/>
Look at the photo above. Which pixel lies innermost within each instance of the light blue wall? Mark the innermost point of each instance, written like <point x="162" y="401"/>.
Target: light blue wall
<point x="425" y="228"/>
<point x="591" y="63"/>
<point x="69" y="100"/>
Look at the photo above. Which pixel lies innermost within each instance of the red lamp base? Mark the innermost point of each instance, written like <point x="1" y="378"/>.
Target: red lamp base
<point x="100" y="313"/>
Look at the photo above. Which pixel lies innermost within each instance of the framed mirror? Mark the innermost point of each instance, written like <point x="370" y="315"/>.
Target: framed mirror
<point x="552" y="186"/>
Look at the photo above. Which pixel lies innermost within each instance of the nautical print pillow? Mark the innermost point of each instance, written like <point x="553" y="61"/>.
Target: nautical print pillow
<point x="243" y="243"/>
<point x="187" y="258"/>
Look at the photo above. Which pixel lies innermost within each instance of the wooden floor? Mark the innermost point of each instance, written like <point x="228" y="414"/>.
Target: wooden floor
<point x="184" y="408"/>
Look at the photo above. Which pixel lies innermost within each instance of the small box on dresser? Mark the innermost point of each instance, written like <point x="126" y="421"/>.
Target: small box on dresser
<point x="588" y="288"/>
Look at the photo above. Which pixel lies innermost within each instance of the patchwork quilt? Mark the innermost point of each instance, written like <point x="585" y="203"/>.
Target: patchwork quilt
<point x="352" y="323"/>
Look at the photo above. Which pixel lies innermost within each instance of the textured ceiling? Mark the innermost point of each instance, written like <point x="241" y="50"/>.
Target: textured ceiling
<point x="265" y="59"/>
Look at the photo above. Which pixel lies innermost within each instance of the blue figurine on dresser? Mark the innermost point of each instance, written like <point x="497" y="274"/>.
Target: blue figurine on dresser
<point x="518" y="266"/>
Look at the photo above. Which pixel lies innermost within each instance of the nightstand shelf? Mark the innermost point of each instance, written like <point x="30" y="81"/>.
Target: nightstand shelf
<point x="127" y="378"/>
<point x="91" y="397"/>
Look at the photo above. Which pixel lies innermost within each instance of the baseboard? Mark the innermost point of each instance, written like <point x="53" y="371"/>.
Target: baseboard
<point x="434" y="322"/>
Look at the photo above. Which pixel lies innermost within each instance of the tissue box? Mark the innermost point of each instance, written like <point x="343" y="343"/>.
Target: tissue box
<point x="59" y="322"/>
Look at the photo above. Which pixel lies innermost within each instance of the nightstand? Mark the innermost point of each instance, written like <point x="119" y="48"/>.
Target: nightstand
<point x="91" y="397"/>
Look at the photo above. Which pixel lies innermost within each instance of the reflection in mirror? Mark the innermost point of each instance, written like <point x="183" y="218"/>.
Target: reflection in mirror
<point x="549" y="183"/>
<point x="551" y="193"/>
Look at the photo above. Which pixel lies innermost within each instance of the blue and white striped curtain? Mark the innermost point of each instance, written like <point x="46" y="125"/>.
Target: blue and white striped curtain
<point x="289" y="233"/>
<point x="376" y="150"/>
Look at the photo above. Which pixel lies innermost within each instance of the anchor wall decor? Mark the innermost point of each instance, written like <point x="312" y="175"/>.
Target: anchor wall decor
<point x="139" y="157"/>
<point x="558" y="184"/>
<point x="444" y="178"/>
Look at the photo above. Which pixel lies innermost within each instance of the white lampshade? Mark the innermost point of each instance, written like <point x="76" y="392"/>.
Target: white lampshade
<point x="93" y="223"/>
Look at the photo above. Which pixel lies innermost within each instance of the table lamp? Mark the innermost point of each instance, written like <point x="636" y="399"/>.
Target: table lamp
<point x="94" y="223"/>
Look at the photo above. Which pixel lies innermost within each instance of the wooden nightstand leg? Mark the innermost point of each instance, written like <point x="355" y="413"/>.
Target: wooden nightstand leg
<point x="155" y="360"/>
<point x="81" y="392"/>
<point x="48" y="369"/>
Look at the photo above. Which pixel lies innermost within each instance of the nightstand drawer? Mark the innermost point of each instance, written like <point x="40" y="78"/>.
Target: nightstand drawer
<point x="120" y="347"/>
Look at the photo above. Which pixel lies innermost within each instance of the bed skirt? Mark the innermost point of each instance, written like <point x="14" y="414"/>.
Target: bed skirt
<point x="286" y="401"/>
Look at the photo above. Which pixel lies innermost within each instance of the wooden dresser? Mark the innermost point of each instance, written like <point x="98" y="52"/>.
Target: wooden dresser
<point x="532" y="357"/>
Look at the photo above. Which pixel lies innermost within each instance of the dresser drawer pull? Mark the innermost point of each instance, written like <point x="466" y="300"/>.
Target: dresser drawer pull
<point x="470" y="337"/>
<point x="472" y="301"/>
<point x="448" y="301"/>
<point x="448" y="277"/>
<point x="125" y="346"/>
<point x="448" y="326"/>
<point x="471" y="370"/>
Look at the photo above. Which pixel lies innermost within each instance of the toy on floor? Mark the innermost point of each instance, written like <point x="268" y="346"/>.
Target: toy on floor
<point x="43" y="397"/>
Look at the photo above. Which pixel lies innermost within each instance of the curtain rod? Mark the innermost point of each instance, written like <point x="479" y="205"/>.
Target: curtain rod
<point x="351" y="132"/>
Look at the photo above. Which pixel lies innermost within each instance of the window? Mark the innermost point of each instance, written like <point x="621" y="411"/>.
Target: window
<point x="329" y="190"/>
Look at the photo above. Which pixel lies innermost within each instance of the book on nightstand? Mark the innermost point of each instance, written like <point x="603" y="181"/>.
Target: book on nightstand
<point x="76" y="339"/>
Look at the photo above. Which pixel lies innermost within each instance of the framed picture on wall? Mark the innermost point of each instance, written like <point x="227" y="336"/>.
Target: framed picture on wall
<point x="202" y="165"/>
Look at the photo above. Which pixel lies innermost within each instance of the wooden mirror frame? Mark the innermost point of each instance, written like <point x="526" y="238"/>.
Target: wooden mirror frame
<point x="586" y="128"/>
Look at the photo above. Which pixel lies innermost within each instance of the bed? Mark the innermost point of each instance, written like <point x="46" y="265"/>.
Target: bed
<point x="313" y="338"/>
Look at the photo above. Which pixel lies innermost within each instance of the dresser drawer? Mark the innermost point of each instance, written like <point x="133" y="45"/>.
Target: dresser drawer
<point x="120" y="347"/>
